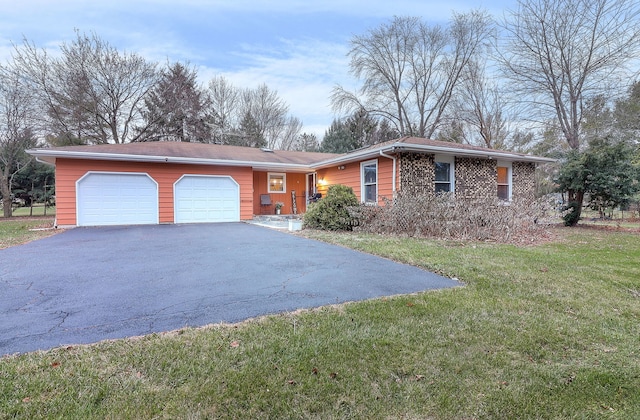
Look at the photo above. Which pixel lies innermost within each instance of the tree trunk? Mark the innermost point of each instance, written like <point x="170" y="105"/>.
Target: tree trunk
<point x="6" y="193"/>
<point x="574" y="203"/>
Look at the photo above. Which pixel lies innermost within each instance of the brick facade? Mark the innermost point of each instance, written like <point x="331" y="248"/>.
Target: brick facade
<point x="474" y="178"/>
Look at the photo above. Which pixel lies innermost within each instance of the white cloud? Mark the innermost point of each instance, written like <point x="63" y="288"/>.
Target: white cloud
<point x="303" y="73"/>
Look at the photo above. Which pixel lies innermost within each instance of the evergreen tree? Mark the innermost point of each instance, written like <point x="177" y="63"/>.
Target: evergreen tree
<point x="338" y="139"/>
<point x="177" y="109"/>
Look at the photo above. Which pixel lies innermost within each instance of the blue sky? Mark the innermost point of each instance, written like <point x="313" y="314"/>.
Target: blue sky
<point x="296" y="47"/>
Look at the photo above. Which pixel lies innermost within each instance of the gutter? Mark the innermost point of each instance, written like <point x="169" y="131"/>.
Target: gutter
<point x="393" y="176"/>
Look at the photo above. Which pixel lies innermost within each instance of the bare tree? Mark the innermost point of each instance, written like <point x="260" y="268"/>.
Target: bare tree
<point x="269" y="112"/>
<point x="559" y="53"/>
<point x="252" y="117"/>
<point x="225" y="101"/>
<point x="482" y="109"/>
<point x="16" y="130"/>
<point x="410" y="69"/>
<point x="289" y="134"/>
<point x="92" y="90"/>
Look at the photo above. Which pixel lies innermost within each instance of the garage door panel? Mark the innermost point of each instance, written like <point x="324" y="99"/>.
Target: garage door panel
<point x="116" y="199"/>
<point x="206" y="199"/>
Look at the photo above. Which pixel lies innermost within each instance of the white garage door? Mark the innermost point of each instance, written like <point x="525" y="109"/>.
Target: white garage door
<point x="116" y="199"/>
<point x="203" y="199"/>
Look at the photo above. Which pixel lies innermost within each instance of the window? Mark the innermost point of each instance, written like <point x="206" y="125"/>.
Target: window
<point x="504" y="181"/>
<point x="443" y="174"/>
<point x="277" y="182"/>
<point x="369" y="181"/>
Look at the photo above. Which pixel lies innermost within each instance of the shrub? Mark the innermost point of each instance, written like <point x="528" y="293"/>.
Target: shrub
<point x="332" y="212"/>
<point x="444" y="216"/>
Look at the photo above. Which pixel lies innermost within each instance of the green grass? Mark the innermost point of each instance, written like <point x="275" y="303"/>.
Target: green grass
<point x="16" y="231"/>
<point x="548" y="331"/>
<point x="38" y="211"/>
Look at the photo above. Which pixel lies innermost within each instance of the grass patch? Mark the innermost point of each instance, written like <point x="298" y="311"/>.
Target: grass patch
<point x="548" y="331"/>
<point x="38" y="211"/>
<point x="17" y="231"/>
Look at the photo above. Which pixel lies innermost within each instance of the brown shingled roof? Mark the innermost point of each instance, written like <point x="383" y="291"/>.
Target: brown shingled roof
<point x="215" y="154"/>
<point x="201" y="151"/>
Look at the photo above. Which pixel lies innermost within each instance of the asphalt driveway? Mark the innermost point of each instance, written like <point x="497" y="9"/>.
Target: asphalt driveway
<point x="90" y="284"/>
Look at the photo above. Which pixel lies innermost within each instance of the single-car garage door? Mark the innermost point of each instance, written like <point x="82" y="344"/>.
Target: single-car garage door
<point x="116" y="199"/>
<point x="204" y="199"/>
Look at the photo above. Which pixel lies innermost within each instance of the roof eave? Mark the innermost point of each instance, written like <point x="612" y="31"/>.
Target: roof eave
<point x="50" y="156"/>
<point x="404" y="147"/>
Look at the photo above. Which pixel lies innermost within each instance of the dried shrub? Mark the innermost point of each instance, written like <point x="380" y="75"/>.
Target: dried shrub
<point x="447" y="217"/>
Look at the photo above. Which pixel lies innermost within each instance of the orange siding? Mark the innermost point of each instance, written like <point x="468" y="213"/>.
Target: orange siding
<point x="68" y="171"/>
<point x="295" y="182"/>
<point x="350" y="176"/>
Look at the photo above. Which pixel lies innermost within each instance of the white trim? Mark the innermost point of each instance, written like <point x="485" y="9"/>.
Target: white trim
<point x="509" y="166"/>
<point x="308" y="182"/>
<point x="362" y="184"/>
<point x="175" y="202"/>
<point x="393" y="174"/>
<point x="451" y="160"/>
<point x="48" y="155"/>
<point x="450" y="151"/>
<point x="284" y="182"/>
<point x="88" y="173"/>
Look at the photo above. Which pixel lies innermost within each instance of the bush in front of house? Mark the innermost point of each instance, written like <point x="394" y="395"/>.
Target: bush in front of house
<point x="332" y="212"/>
<point x="447" y="217"/>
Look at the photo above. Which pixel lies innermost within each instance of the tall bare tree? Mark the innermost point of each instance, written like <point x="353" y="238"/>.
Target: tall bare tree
<point x="16" y="130"/>
<point x="91" y="91"/>
<point x="225" y="102"/>
<point x="482" y="109"/>
<point x="410" y="70"/>
<point x="254" y="117"/>
<point x="559" y="53"/>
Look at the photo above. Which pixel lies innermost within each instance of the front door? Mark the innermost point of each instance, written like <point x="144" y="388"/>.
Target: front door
<point x="311" y="186"/>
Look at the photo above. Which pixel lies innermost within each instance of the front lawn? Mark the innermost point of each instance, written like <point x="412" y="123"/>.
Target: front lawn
<point x="546" y="331"/>
<point x="19" y="230"/>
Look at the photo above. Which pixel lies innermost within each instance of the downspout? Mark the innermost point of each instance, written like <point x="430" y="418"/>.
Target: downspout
<point x="393" y="176"/>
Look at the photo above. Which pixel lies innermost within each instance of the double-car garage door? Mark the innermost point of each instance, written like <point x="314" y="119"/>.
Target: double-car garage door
<point x="107" y="198"/>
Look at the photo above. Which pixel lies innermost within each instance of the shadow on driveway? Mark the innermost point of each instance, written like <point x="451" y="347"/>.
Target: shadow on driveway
<point x="90" y="284"/>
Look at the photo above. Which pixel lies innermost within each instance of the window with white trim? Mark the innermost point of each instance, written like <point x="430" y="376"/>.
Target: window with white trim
<point x="444" y="174"/>
<point x="277" y="182"/>
<point x="369" y="181"/>
<point x="504" y="180"/>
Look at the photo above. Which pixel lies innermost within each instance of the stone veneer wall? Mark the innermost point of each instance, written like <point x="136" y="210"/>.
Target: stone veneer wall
<point x="416" y="173"/>
<point x="523" y="180"/>
<point x="476" y="178"/>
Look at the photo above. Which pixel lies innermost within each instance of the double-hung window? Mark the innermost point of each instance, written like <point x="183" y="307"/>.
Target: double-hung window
<point x="504" y="180"/>
<point x="369" y="181"/>
<point x="277" y="182"/>
<point x="444" y="173"/>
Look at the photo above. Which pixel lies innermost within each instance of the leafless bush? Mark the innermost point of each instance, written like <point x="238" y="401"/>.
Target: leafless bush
<point x="443" y="216"/>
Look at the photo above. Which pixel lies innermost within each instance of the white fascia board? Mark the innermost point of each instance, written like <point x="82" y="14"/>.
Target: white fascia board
<point x="453" y="151"/>
<point x="50" y="156"/>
